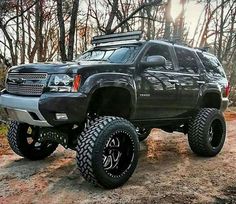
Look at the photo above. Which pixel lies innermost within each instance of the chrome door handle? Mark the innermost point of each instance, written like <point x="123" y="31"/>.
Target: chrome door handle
<point x="201" y="82"/>
<point x="172" y="81"/>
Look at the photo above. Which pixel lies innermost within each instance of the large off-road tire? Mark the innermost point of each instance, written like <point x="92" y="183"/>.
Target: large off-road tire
<point x="22" y="139"/>
<point x="207" y="132"/>
<point x="107" y="152"/>
<point x="143" y="133"/>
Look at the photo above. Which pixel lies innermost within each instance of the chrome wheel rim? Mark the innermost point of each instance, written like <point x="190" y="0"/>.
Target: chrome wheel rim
<point x="118" y="154"/>
<point x="112" y="159"/>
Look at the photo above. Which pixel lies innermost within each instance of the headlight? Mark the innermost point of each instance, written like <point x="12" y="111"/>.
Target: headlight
<point x="64" y="83"/>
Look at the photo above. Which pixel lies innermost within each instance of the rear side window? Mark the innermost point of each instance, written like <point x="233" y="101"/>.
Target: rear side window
<point x="212" y="65"/>
<point x="187" y="61"/>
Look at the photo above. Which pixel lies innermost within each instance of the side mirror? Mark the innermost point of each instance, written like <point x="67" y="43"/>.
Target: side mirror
<point x="154" y="61"/>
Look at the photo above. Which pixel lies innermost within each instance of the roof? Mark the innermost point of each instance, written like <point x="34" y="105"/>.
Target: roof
<point x="134" y="38"/>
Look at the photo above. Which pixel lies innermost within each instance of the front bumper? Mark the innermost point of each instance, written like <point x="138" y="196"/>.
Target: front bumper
<point x="41" y="111"/>
<point x="23" y="109"/>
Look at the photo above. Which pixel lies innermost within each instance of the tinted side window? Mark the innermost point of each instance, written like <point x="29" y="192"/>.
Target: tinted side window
<point x="212" y="65"/>
<point x="187" y="61"/>
<point x="161" y="50"/>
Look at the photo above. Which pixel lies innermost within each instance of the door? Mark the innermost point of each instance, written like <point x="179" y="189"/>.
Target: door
<point x="189" y="78"/>
<point x="157" y="88"/>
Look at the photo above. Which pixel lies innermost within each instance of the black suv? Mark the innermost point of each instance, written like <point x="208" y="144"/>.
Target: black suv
<point x="108" y="101"/>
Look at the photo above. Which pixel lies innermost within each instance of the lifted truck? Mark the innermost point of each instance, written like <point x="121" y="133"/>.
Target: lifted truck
<point x="108" y="101"/>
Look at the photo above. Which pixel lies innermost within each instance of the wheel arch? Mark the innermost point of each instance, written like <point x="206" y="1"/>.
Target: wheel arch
<point x="211" y="99"/>
<point x="111" y="100"/>
<point x="113" y="86"/>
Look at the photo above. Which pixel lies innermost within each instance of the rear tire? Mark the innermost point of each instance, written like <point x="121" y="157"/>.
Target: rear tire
<point x="22" y="139"/>
<point x="107" y="152"/>
<point x="207" y="132"/>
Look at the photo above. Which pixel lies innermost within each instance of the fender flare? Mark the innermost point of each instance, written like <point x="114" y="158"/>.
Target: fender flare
<point x="116" y="80"/>
<point x="209" y="89"/>
<point x="211" y="92"/>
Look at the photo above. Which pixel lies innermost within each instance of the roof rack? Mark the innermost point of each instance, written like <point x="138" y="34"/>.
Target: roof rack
<point x="136" y="35"/>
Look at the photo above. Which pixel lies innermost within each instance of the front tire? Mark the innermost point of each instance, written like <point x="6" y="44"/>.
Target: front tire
<point x="22" y="139"/>
<point x="207" y="132"/>
<point x="107" y="152"/>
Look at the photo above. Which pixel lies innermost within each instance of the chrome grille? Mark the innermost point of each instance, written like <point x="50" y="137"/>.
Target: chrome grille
<point x="27" y="76"/>
<point x="31" y="84"/>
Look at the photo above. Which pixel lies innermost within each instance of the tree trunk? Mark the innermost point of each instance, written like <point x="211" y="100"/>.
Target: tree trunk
<point x="149" y="23"/>
<point x="86" y="29"/>
<point x="112" y="16"/>
<point x="62" y="32"/>
<point x="17" y="30"/>
<point x="219" y="53"/>
<point x="39" y="27"/>
<point x="168" y="20"/>
<point x="30" y="41"/>
<point x="9" y="40"/>
<point x="38" y="46"/>
<point x="23" y="35"/>
<point x="72" y="29"/>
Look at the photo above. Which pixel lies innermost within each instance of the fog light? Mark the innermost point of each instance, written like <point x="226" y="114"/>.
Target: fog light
<point x="61" y="116"/>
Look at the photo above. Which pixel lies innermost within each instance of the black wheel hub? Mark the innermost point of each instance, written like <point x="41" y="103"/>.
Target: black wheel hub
<point x="118" y="154"/>
<point x="32" y="139"/>
<point x="215" y="133"/>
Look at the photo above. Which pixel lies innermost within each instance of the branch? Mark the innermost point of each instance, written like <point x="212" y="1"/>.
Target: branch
<point x="5" y="44"/>
<point x="5" y="61"/>
<point x="21" y="14"/>
<point x="215" y="9"/>
<point x="95" y="17"/>
<point x="154" y="3"/>
<point x="148" y="18"/>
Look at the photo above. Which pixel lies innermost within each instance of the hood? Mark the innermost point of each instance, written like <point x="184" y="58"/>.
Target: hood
<point x="84" y="68"/>
<point x="50" y="68"/>
<point x="55" y="67"/>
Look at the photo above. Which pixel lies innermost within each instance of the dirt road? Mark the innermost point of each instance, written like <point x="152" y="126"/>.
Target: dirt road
<point x="168" y="172"/>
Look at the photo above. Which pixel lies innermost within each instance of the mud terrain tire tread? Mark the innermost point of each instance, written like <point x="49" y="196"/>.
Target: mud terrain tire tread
<point x="86" y="142"/>
<point x="198" y="131"/>
<point x="11" y="136"/>
<point x="17" y="144"/>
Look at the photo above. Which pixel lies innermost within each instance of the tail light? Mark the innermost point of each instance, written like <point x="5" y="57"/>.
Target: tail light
<point x="227" y="90"/>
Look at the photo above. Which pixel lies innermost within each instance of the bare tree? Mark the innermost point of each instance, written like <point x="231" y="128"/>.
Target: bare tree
<point x="73" y="19"/>
<point x="62" y="43"/>
<point x="114" y="12"/>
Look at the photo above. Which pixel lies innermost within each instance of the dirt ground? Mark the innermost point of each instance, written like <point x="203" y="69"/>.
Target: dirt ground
<point x="168" y="172"/>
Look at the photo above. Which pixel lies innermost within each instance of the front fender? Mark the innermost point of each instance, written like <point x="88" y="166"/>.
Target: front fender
<point x="101" y="80"/>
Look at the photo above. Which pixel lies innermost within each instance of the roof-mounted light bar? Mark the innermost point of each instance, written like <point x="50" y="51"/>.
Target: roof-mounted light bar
<point x="136" y="35"/>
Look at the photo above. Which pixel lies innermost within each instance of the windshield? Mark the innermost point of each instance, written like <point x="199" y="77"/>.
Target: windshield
<point x="124" y="55"/>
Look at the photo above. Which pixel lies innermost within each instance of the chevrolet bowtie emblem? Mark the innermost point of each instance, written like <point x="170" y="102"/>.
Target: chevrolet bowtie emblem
<point x="17" y="81"/>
